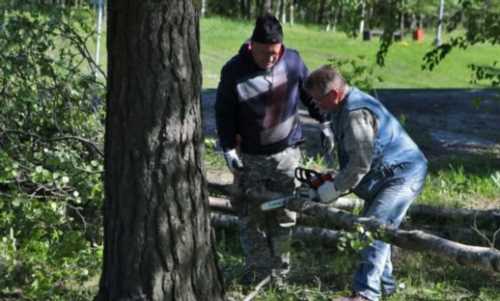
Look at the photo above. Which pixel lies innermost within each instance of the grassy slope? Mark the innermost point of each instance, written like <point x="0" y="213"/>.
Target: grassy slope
<point x="221" y="39"/>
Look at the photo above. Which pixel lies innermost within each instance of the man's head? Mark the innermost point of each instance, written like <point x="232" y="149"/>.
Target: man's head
<point x="327" y="87"/>
<point x="266" y="42"/>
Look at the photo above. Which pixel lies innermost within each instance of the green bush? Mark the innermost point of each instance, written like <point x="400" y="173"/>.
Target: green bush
<point x="51" y="167"/>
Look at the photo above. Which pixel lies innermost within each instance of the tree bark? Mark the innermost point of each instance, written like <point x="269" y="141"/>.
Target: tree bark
<point x="158" y="238"/>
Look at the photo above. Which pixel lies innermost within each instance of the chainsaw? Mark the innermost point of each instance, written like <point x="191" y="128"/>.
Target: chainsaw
<point x="308" y="177"/>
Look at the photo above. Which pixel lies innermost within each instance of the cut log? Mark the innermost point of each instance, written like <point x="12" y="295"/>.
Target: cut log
<point x="465" y="235"/>
<point x="220" y="188"/>
<point x="220" y="204"/>
<point x="482" y="257"/>
<point x="418" y="214"/>
<point x="484" y="219"/>
<point x="451" y="232"/>
<point x="486" y="258"/>
<point x="308" y="235"/>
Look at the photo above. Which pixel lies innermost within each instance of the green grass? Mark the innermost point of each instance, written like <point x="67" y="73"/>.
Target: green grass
<point x="463" y="181"/>
<point x="221" y="39"/>
<point x="320" y="274"/>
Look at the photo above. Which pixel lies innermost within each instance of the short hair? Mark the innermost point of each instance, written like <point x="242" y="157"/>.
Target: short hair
<point x="267" y="30"/>
<point x="324" y="79"/>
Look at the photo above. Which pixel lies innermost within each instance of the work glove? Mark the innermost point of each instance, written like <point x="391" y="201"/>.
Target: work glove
<point x="233" y="160"/>
<point x="327" y="138"/>
<point x="327" y="192"/>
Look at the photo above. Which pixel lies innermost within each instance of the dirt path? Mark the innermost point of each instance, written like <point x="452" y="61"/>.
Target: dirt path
<point x="440" y="120"/>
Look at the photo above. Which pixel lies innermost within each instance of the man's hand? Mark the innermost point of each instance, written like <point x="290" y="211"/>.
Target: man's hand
<point x="327" y="192"/>
<point x="233" y="160"/>
<point x="327" y="137"/>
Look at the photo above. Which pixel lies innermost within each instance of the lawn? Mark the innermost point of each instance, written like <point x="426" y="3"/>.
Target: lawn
<point x="221" y="39"/>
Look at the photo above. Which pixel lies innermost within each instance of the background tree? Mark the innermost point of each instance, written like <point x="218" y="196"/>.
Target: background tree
<point x="158" y="243"/>
<point x="51" y="135"/>
<point x="480" y="21"/>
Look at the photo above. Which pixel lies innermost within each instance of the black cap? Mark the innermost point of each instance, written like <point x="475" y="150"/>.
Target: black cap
<point x="267" y="30"/>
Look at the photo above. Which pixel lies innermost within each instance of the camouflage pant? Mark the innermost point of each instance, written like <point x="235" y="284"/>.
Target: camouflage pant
<point x="266" y="236"/>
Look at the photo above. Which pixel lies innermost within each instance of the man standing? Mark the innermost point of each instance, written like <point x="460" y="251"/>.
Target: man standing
<point x="378" y="161"/>
<point x="259" y="130"/>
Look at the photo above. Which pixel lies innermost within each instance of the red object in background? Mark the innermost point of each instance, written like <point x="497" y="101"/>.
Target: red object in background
<point x="418" y="34"/>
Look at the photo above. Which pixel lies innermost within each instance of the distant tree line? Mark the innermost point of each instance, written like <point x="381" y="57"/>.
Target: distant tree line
<point x="348" y="15"/>
<point x="69" y="3"/>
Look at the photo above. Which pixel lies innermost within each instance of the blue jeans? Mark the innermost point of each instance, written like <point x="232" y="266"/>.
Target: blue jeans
<point x="389" y="206"/>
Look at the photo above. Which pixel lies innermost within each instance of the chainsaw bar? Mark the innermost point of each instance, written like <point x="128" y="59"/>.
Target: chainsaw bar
<point x="276" y="203"/>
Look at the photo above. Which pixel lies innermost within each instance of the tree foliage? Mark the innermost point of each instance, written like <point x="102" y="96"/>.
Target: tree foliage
<point x="481" y="24"/>
<point x="50" y="157"/>
<point x="474" y="21"/>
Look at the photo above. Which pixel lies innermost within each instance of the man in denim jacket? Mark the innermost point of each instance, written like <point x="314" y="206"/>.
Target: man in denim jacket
<point x="379" y="162"/>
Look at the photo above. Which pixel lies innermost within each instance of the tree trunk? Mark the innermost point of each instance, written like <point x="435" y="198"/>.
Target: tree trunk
<point x="321" y="12"/>
<point x="413" y="24"/>
<point x="243" y="8"/>
<point x="158" y="238"/>
<point x="437" y="41"/>
<point x="292" y="12"/>
<point x="363" y="17"/>
<point x="203" y="7"/>
<point x="334" y="16"/>
<point x="250" y="9"/>
<point x="282" y="15"/>
<point x="267" y="6"/>
<point x="402" y="24"/>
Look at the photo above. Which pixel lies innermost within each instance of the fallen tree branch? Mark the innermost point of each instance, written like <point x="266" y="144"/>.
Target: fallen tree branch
<point x="481" y="257"/>
<point x="418" y="214"/>
<point x="257" y="289"/>
<point x="452" y="232"/>
<point x="486" y="258"/>
<point x="308" y="235"/>
<point x="220" y="188"/>
<point x="310" y="229"/>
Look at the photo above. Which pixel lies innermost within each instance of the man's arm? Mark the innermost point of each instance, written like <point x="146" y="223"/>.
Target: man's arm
<point x="225" y="112"/>
<point x="360" y="129"/>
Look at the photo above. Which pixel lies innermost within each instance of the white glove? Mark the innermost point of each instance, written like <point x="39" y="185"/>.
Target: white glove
<point x="327" y="137"/>
<point x="327" y="192"/>
<point x="233" y="161"/>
